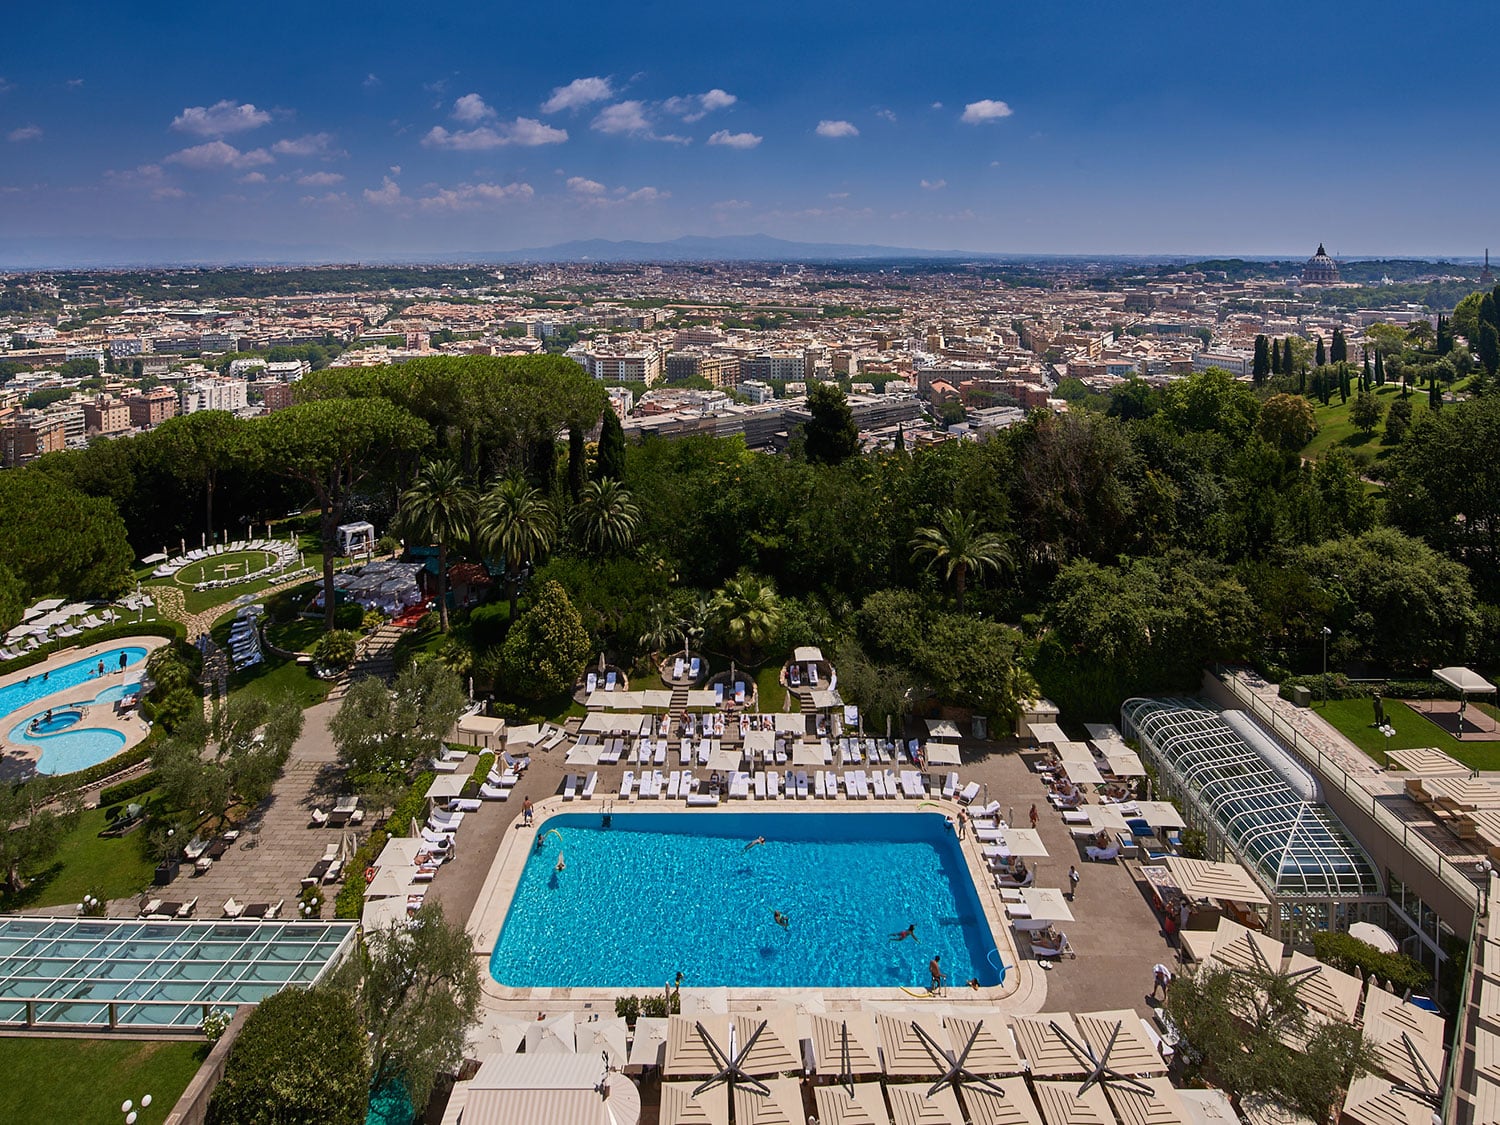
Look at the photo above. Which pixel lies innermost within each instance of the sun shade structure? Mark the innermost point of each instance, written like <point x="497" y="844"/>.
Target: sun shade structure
<point x="1239" y="947"/>
<point x="1065" y="1103"/>
<point x="1372" y="1100"/>
<point x="942" y="728"/>
<point x="860" y="1104"/>
<point x="95" y="971"/>
<point x="1117" y="1041"/>
<point x="1203" y="878"/>
<point x="1040" y="1039"/>
<point x="992" y="1048"/>
<point x="1162" y="1106"/>
<point x="845" y="1044"/>
<point x="1012" y="1106"/>
<point x="550" y="1090"/>
<point x="781" y="1104"/>
<point x="1326" y="990"/>
<point x="1465" y="681"/>
<point x="913" y="1043"/>
<point x="914" y="1105"/>
<point x="943" y="754"/>
<point x="1428" y="762"/>
<point x="680" y="1105"/>
<point x="649" y="1046"/>
<point x="1261" y="804"/>
<point x="1048" y="732"/>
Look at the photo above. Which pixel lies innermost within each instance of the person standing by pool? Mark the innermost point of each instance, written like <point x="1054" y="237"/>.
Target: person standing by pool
<point x="1073" y="878"/>
<point x="526" y="810"/>
<point x="935" y="967"/>
<point x="124" y="660"/>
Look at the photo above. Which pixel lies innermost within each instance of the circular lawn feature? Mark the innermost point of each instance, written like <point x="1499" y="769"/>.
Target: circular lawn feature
<point x="231" y="565"/>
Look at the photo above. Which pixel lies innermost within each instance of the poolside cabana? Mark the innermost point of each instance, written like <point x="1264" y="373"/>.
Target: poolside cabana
<point x="649" y="1047"/>
<point x="862" y="1103"/>
<point x="993" y="1050"/>
<point x="1203" y="878"/>
<point x="1117" y="1040"/>
<point x="920" y="1104"/>
<point x="1373" y="1100"/>
<point x="604" y="1036"/>
<point x="907" y="1053"/>
<point x="1012" y="1106"/>
<point x="548" y="1090"/>
<point x="942" y="754"/>
<point x="943" y="729"/>
<point x="1041" y="1042"/>
<point x="680" y="1105"/>
<point x="780" y="1105"/>
<point x="1067" y="1103"/>
<point x="479" y="731"/>
<point x="1162" y="1106"/>
<point x="845" y="1044"/>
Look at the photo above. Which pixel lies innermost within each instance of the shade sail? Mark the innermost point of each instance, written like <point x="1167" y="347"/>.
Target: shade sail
<point x="864" y="1106"/>
<point x="942" y="728"/>
<point x="911" y="1105"/>
<point x="942" y="754"/>
<point x="1162" y="1106"/>
<point x="906" y="1054"/>
<point x="1063" y="1104"/>
<point x="680" y="1106"/>
<point x="851" y="1032"/>
<point x="1203" y="878"/>
<point x="993" y="1050"/>
<point x="1121" y="1034"/>
<point x="1046" y="1053"/>
<point x="780" y="1105"/>
<point x="1464" y="680"/>
<point x="986" y="1107"/>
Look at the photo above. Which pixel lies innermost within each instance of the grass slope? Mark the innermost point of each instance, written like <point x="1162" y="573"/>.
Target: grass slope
<point x="88" y="1079"/>
<point x="1335" y="431"/>
<point x="116" y="868"/>
<point x="1354" y="718"/>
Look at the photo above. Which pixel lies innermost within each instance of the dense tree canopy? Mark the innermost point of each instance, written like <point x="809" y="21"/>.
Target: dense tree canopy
<point x="56" y="540"/>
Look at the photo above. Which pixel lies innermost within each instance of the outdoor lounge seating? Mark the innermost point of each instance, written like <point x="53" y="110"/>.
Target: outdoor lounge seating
<point x="488" y="792"/>
<point x="464" y="805"/>
<point x="1103" y="855"/>
<point x="516" y="763"/>
<point x="233" y="909"/>
<point x="969" y="793"/>
<point x="445" y="821"/>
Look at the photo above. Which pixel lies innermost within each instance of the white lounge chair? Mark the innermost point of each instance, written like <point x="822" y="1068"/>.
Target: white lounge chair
<point x="516" y="763"/>
<point x="463" y="804"/>
<point x="739" y="786"/>
<point x="877" y="779"/>
<point x="950" y="786"/>
<point x="627" y="784"/>
<point x="760" y="787"/>
<point x="674" y="785"/>
<point x="587" y="793"/>
<point x="801" y="785"/>
<point x="490" y="792"/>
<point x="590" y="682"/>
<point x="610" y="679"/>
<point x="570" y="787"/>
<point x="677" y="669"/>
<point x="233" y="909"/>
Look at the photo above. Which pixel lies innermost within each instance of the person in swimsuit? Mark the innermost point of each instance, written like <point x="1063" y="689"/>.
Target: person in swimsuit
<point x="909" y="932"/>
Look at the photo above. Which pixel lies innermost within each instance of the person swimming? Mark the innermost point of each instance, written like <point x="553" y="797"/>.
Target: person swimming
<point x="909" y="932"/>
<point x="560" y="864"/>
<point x="781" y="919"/>
<point x="755" y="842"/>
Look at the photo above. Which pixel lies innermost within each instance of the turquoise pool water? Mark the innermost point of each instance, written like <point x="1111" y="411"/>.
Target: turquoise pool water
<point x="65" y="750"/>
<point x="656" y="894"/>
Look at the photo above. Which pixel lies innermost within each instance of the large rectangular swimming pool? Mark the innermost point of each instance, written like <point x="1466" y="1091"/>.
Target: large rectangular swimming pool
<point x="655" y="894"/>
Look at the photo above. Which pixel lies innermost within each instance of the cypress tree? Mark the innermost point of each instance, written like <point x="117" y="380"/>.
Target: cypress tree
<point x="1288" y="365"/>
<point x="611" y="460"/>
<point x="1488" y="346"/>
<point x="900" y="438"/>
<point x="578" y="470"/>
<point x="1444" y="335"/>
<point x="1434" y="393"/>
<point x="1322" y="357"/>
<point x="1489" y="310"/>
<point x="1343" y="384"/>
<point x="1367" y="378"/>
<point x="1339" y="352"/>
<point x="1262" y="366"/>
<point x="1379" y="370"/>
<point x="1276" y="358"/>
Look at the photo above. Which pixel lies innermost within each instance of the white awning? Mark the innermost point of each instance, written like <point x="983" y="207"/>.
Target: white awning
<point x="942" y="754"/>
<point x="1046" y="904"/>
<point x="1464" y="680"/>
<point x="942" y="728"/>
<point x="1161" y="814"/>
<point x="1203" y="878"/>
<point x="1048" y="732"/>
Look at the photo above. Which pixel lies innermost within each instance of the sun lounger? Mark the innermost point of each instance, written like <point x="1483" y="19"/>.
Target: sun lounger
<point x="695" y="667"/>
<point x="739" y="692"/>
<point x="439" y="765"/>
<point x="989" y="835"/>
<point x="490" y="792"/>
<point x="1003" y="880"/>
<point x="187" y="908"/>
<point x="610" y="680"/>
<point x="739" y="786"/>
<point x="587" y="793"/>
<point x="516" y="763"/>
<point x="801" y="785"/>
<point x="591" y="681"/>
<point x="702" y="800"/>
<point x="820" y="785"/>
<point x="627" y="784"/>
<point x="660" y="757"/>
<point x="674" y="785"/>
<point x="1075" y="816"/>
<point x="233" y="909"/>
<point x="773" y="785"/>
<point x="851" y="785"/>
<point x="991" y="809"/>
<point x="950" y="786"/>
<point x="812" y="674"/>
<point x="760" y="787"/>
<point x="794" y="676"/>
<point x="503" y="778"/>
<point x="445" y="821"/>
<point x="570" y="787"/>
<point x="863" y="780"/>
<point x="464" y="804"/>
<point x="318" y="819"/>
<point x="437" y="838"/>
<point x="1103" y="855"/>
<point x="718" y="695"/>
<point x="970" y="791"/>
<point x="677" y="668"/>
<point x="877" y="778"/>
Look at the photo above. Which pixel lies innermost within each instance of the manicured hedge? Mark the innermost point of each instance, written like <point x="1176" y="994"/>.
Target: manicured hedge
<point x="159" y="628"/>
<point x="481" y="771"/>
<point x="1354" y="956"/>
<point x="128" y="789"/>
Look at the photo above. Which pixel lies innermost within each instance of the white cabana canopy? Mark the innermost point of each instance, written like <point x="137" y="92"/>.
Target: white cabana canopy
<point x="806" y="653"/>
<point x="759" y="741"/>
<point x="1046" y="904"/>
<point x="1083" y="771"/>
<point x="942" y="754"/>
<point x="1161" y="814"/>
<point x="447" y="786"/>
<point x="1048" y="732"/>
<point x="942" y="728"/>
<point x="790" y="722"/>
<point x="1464" y="680"/>
<point x="549" y="1090"/>
<point x="1024" y="842"/>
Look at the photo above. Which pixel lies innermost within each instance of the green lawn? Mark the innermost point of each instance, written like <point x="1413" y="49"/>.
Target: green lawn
<point x="273" y="676"/>
<point x="115" y="868"/>
<point x="1336" y="431"/>
<point x="1354" y="717"/>
<point x="87" y="1080"/>
<point x="768" y="684"/>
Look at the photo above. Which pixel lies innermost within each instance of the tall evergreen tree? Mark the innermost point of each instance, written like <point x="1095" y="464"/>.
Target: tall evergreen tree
<point x="1444" y="335"/>
<point x="1276" y="358"/>
<point x="1434" y="393"/>
<point x="1489" y="348"/>
<point x="578" y="469"/>
<point x="1367" y="377"/>
<point x="1379" y="370"/>
<point x="1262" y="364"/>
<point x="1322" y="356"/>
<point x="1288" y="364"/>
<point x="611" y="462"/>
<point x="1339" y="352"/>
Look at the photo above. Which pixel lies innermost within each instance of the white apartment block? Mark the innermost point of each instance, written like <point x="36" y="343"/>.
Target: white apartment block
<point x="1232" y="360"/>
<point x="215" y="394"/>
<point x="640" y="366"/>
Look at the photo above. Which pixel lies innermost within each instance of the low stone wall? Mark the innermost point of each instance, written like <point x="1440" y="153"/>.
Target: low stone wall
<point x="192" y="1107"/>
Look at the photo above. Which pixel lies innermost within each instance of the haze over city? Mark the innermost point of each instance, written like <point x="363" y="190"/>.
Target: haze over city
<point x="356" y="131"/>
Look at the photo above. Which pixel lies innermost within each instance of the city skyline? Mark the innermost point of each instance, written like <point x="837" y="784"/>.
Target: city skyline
<point x="360" y="133"/>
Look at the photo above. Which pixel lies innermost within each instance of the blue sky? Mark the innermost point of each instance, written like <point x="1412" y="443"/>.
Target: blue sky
<point x="367" y="129"/>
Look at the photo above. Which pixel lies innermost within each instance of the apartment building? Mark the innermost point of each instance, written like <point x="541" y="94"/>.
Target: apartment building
<point x="106" y="416"/>
<point x="28" y="435"/>
<point x="215" y="394"/>
<point x="152" y="407"/>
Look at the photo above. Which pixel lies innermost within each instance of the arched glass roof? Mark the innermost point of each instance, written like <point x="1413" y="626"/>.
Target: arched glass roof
<point x="1295" y="846"/>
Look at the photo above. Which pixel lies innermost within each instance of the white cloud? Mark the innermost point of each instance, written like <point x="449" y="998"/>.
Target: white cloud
<point x="523" y="131"/>
<point x="986" y="109"/>
<point x="471" y="109"/>
<point x="327" y="199"/>
<point x="695" y="107"/>
<point x="219" y="154"/>
<point x="6" y="87"/>
<point x="388" y="194"/>
<point x="320" y="179"/>
<point x="577" y="93"/>
<point x="254" y="178"/>
<point x="887" y="115"/>
<point x="74" y="83"/>
<point x="581" y="185"/>
<point x="167" y="191"/>
<point x="25" y="133"/>
<point x="937" y="105"/>
<point x="313" y="144"/>
<point x="371" y="82"/>
<point x="732" y="205"/>
<point x="220" y="118"/>
<point x="142" y="176"/>
<point x="836" y="129"/>
<point x="838" y="195"/>
<point x="622" y="117"/>
<point x="468" y="197"/>
<point x="647" y="195"/>
<point x="934" y="185"/>
<point x="735" y="140"/>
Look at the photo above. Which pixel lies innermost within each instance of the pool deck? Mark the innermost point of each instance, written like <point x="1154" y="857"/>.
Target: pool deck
<point x="1023" y="980"/>
<point x="17" y="759"/>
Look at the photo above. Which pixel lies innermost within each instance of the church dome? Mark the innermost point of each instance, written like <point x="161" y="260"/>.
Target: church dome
<point x="1320" y="269"/>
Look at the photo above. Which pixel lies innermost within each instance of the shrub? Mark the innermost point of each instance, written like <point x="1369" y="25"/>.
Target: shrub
<point x="335" y="650"/>
<point x="628" y="1008"/>
<point x="114" y="794"/>
<point x="388" y="545"/>
<point x="1354" y="956"/>
<point x="481" y="771"/>
<point x="311" y="901"/>
<point x="371" y="620"/>
<point x="215" y="1024"/>
<point x="299" y="1057"/>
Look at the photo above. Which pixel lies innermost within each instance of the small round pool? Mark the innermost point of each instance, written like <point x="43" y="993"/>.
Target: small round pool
<point x="58" y="720"/>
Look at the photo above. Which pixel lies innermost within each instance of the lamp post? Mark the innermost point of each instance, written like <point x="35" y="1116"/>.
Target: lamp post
<point x="1484" y="868"/>
<point x="1327" y="632"/>
<point x="1387" y="730"/>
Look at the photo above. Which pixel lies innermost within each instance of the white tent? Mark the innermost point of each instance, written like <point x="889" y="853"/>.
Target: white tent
<point x="1465" y="681"/>
<point x="942" y="728"/>
<point x="942" y="754"/>
<point x="549" y="1090"/>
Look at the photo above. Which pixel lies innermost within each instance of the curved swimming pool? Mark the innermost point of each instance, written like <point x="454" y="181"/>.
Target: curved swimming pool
<point x="655" y="894"/>
<point x="17" y="695"/>
<point x="65" y="749"/>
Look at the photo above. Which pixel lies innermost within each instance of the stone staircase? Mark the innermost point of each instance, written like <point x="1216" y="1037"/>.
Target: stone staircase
<point x="376" y="654"/>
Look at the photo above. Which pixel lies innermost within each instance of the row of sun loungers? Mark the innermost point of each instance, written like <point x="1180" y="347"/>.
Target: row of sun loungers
<point x="158" y="910"/>
<point x="259" y="911"/>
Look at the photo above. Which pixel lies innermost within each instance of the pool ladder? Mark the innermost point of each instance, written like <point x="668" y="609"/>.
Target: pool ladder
<point x="609" y="812"/>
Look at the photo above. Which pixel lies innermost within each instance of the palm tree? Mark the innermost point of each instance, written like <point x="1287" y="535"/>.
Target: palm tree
<point x="747" y="611"/>
<point x="663" y="626"/>
<point x="517" y="523"/>
<point x="957" y="544"/>
<point x="439" y="507"/>
<point x="606" y="516"/>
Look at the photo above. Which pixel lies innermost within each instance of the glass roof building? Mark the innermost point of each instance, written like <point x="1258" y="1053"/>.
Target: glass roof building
<point x="1254" y="800"/>
<point x="110" y="972"/>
